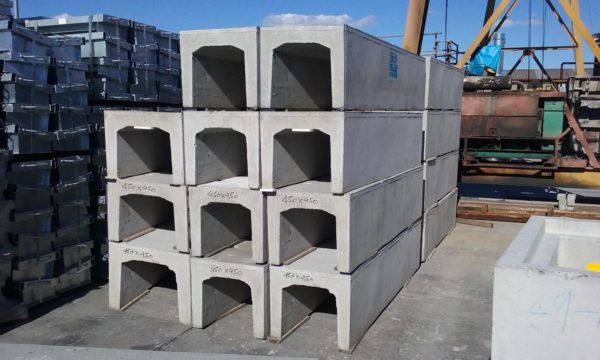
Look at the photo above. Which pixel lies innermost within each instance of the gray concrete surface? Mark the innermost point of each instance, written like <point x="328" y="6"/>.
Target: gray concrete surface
<point x="440" y="176"/>
<point x="445" y="312"/>
<point x="297" y="146"/>
<point x="443" y="85"/>
<point x="441" y="133"/>
<point x="339" y="67"/>
<point x="438" y="221"/>
<point x="219" y="68"/>
<point x="545" y="299"/>
<point x="354" y="225"/>
<point x="298" y="289"/>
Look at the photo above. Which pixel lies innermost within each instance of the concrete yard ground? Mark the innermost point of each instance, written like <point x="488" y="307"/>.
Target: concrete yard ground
<point x="445" y="312"/>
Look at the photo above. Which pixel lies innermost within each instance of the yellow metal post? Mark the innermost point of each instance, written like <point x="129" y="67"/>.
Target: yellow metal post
<point x="581" y="28"/>
<point x="483" y="32"/>
<point x="415" y="25"/>
<point x="579" y="65"/>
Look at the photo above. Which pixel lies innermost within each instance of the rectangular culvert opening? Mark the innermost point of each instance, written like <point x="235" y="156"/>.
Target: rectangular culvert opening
<point x="300" y="155"/>
<point x="578" y="252"/>
<point x="222" y="296"/>
<point x="219" y="78"/>
<point x="141" y="214"/>
<point x="301" y="77"/>
<point x="144" y="284"/>
<point x="300" y="301"/>
<point x="142" y="151"/>
<point x="223" y="225"/>
<point x="221" y="153"/>
<point x="302" y="229"/>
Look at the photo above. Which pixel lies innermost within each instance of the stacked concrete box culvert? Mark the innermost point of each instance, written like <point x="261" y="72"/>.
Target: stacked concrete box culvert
<point x="137" y="265"/>
<point x="354" y="226"/>
<point x="299" y="288"/>
<point x="438" y="221"/>
<point x="220" y="68"/>
<point x="440" y="176"/>
<point x="337" y="67"/>
<point x="441" y="133"/>
<point x="443" y="85"/>
<point x="347" y="149"/>
<point x="220" y="145"/>
<point x="145" y="145"/>
<point x="226" y="281"/>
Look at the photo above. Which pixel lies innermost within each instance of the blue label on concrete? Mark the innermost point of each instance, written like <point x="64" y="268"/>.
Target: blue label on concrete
<point x="393" y="65"/>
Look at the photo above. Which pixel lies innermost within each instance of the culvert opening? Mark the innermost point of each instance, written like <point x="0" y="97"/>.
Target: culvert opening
<point x="157" y="283"/>
<point x="142" y="151"/>
<point x="223" y="225"/>
<point x="301" y="77"/>
<point x="299" y="301"/>
<point x="222" y="296"/>
<point x="221" y="153"/>
<point x="219" y="78"/>
<point x="303" y="229"/>
<point x="140" y="214"/>
<point x="301" y="155"/>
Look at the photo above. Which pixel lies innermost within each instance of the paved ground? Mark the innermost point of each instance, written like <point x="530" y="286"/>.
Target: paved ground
<point x="443" y="313"/>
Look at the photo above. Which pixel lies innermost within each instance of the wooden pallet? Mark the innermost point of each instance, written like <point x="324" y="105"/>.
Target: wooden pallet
<point x="520" y="211"/>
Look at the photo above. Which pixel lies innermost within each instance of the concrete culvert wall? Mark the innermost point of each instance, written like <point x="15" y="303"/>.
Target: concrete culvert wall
<point x="300" y="155"/>
<point x="300" y="301"/>
<point x="301" y="229"/>
<point x="224" y="224"/>
<point x="142" y="151"/>
<point x="139" y="276"/>
<point x="221" y="153"/>
<point x="301" y="77"/>
<point x="219" y="78"/>
<point x="222" y="295"/>
<point x="141" y="213"/>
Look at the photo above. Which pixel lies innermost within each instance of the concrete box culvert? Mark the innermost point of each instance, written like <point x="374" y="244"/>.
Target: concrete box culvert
<point x="440" y="175"/>
<point x="441" y="131"/>
<point x="298" y="289"/>
<point x="136" y="266"/>
<point x="438" y="221"/>
<point x="337" y="67"/>
<point x="226" y="281"/>
<point x="144" y="142"/>
<point x="136" y="209"/>
<point x="354" y="226"/>
<point x="443" y="85"/>
<point x="546" y="290"/>
<point x="221" y="145"/>
<point x="347" y="149"/>
<point x="220" y="68"/>
<point x="224" y="213"/>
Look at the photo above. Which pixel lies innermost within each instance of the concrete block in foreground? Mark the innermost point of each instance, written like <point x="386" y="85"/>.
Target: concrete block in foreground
<point x="135" y="266"/>
<point x="350" y="149"/>
<point x="353" y="226"/>
<point x="438" y="221"/>
<point x="443" y="85"/>
<point x="224" y="213"/>
<point x="221" y="145"/>
<point x="440" y="175"/>
<point x="219" y="68"/>
<point x="545" y="298"/>
<point x="337" y="67"/>
<point x="441" y="133"/>
<point x="226" y="281"/>
<point x="144" y="142"/>
<point x="138" y="208"/>
<point x="299" y="288"/>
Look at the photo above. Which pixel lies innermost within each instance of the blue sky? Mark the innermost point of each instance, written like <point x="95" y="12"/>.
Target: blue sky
<point x="377" y="17"/>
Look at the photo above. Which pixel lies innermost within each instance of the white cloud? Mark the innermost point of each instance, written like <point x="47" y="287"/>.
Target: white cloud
<point x="321" y="19"/>
<point x="512" y="23"/>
